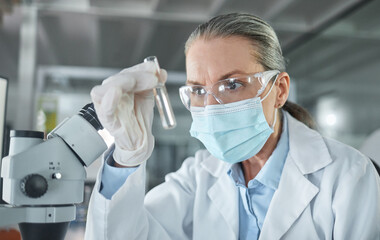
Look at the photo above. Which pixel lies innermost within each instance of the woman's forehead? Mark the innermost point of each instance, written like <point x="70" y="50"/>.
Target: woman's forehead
<point x="211" y="59"/>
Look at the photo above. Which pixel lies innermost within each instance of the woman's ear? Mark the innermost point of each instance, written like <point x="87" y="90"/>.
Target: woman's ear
<point x="282" y="84"/>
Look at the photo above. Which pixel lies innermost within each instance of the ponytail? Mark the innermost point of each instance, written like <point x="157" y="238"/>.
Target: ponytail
<point x="300" y="114"/>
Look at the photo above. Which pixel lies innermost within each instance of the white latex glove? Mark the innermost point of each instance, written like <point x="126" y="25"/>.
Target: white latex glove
<point x="124" y="105"/>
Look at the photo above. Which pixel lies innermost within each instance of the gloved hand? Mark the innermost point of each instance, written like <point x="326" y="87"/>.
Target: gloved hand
<point x="124" y="105"/>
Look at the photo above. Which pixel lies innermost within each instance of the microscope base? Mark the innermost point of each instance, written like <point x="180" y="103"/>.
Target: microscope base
<point x="43" y="231"/>
<point x="43" y="214"/>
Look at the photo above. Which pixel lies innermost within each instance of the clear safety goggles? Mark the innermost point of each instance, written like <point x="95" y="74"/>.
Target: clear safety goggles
<point x="227" y="90"/>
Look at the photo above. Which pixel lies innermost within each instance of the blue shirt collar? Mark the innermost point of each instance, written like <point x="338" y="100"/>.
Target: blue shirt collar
<point x="270" y="174"/>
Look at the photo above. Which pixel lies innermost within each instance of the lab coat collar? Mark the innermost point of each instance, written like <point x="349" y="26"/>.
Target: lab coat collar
<point x="306" y="147"/>
<point x="308" y="153"/>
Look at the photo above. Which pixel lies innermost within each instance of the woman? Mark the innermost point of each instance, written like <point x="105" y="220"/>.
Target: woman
<point x="265" y="174"/>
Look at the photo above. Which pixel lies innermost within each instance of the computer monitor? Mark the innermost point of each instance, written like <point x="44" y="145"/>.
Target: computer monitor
<point x="3" y="108"/>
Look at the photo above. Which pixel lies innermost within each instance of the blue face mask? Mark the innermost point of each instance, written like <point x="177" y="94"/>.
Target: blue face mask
<point x="232" y="132"/>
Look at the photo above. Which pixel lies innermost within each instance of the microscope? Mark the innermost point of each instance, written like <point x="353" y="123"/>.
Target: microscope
<point x="44" y="179"/>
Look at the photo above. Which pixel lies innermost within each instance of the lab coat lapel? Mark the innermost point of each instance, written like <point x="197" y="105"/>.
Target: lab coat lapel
<point x="307" y="154"/>
<point x="293" y="195"/>
<point x="224" y="195"/>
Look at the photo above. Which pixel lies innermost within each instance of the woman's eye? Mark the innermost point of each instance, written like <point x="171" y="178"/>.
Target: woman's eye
<point x="232" y="85"/>
<point x="198" y="91"/>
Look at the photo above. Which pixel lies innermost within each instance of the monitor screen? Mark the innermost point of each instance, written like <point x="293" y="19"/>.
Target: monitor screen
<point x="3" y="105"/>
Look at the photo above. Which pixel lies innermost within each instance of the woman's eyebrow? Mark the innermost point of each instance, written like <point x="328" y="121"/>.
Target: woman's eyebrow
<point x="227" y="75"/>
<point x="192" y="82"/>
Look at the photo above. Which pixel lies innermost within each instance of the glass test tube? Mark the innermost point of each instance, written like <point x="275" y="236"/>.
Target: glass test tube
<point x="162" y="99"/>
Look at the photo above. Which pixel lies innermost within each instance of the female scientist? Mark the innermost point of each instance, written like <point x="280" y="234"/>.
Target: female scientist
<point x="265" y="174"/>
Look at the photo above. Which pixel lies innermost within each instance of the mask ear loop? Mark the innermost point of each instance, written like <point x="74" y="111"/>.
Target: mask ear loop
<point x="275" y="109"/>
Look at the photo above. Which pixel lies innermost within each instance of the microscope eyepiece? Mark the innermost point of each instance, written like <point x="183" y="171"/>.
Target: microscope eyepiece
<point x="88" y="113"/>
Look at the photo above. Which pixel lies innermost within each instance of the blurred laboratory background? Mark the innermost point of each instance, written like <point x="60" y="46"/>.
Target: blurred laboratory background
<point x="54" y="51"/>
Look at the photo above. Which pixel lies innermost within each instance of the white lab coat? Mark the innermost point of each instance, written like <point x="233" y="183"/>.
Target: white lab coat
<point x="327" y="191"/>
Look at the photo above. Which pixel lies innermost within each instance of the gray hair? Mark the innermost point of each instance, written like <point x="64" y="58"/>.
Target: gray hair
<point x="268" y="50"/>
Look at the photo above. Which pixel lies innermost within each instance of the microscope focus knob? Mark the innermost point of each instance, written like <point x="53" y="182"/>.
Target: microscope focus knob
<point x="34" y="185"/>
